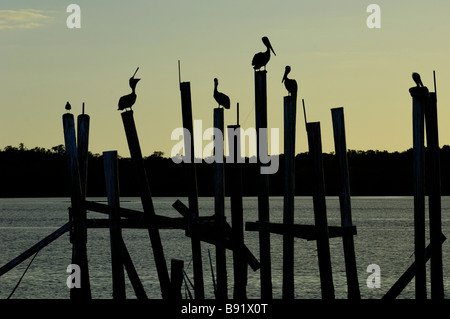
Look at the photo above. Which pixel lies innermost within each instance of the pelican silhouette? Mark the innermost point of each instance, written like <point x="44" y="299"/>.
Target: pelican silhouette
<point x="416" y="78"/>
<point x="221" y="98"/>
<point x="68" y="106"/>
<point x="290" y="84"/>
<point x="128" y="100"/>
<point x="262" y="58"/>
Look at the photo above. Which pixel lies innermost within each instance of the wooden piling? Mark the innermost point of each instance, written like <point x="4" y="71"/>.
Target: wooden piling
<point x="420" y="97"/>
<point x="83" y="122"/>
<point x="290" y="113"/>
<point x="78" y="215"/>
<point x="434" y="198"/>
<point x="219" y="205"/>
<point x="340" y="146"/>
<point x="320" y="213"/>
<point x="237" y="212"/>
<point x="111" y="167"/>
<point x="147" y="202"/>
<point x="186" y="108"/>
<point x="263" y="190"/>
<point x="176" y="271"/>
<point x="131" y="270"/>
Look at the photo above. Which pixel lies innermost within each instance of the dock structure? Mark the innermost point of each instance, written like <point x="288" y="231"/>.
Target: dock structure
<point x="215" y="230"/>
<point x="240" y="271"/>
<point x="424" y="114"/>
<point x="186" y="112"/>
<point x="320" y="231"/>
<point x="263" y="190"/>
<point x="340" y="146"/>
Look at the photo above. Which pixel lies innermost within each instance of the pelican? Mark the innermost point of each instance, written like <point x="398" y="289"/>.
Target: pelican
<point x="127" y="101"/>
<point x="220" y="98"/>
<point x="260" y="59"/>
<point x="416" y="78"/>
<point x="68" y="106"/>
<point x="290" y="84"/>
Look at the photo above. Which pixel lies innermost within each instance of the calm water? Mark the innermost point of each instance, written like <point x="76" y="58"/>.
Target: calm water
<point x="385" y="237"/>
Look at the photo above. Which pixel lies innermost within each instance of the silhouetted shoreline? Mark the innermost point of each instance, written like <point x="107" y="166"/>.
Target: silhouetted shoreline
<point x="41" y="172"/>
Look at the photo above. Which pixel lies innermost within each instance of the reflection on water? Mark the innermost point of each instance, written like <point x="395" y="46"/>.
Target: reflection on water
<point x="385" y="237"/>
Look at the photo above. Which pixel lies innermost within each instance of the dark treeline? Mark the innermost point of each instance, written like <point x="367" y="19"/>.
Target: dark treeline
<point x="40" y="172"/>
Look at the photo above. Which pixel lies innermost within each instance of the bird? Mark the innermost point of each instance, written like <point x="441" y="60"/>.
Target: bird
<point x="290" y="84"/>
<point x="128" y="100"/>
<point x="262" y="58"/>
<point x="416" y="78"/>
<point x="220" y="98"/>
<point x="68" y="106"/>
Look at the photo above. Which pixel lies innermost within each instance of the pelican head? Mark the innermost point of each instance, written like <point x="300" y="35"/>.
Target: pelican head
<point x="266" y="42"/>
<point x="286" y="72"/>
<point x="133" y="81"/>
<point x="416" y="78"/>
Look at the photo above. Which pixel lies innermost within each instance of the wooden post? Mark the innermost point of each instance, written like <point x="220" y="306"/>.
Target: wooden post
<point x="340" y="146"/>
<point x="420" y="96"/>
<point x="131" y="271"/>
<point x="219" y="205"/>
<point x="112" y="190"/>
<point x="176" y="271"/>
<point x="147" y="202"/>
<point x="320" y="212"/>
<point x="82" y="150"/>
<point x="186" y="108"/>
<point x="290" y="114"/>
<point x="434" y="198"/>
<point x="408" y="275"/>
<point x="237" y="213"/>
<point x="78" y="215"/>
<point x="34" y="249"/>
<point x="263" y="191"/>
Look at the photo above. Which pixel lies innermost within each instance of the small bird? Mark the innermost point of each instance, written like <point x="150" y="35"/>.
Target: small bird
<point x="220" y="98"/>
<point x="68" y="106"/>
<point x="262" y="58"/>
<point x="416" y="78"/>
<point x="127" y="101"/>
<point x="290" y="84"/>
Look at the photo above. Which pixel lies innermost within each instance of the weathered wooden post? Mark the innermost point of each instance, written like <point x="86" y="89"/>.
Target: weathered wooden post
<point x="320" y="212"/>
<point x="434" y="198"/>
<point x="237" y="214"/>
<point x="263" y="191"/>
<point x="340" y="146"/>
<point x="82" y="149"/>
<point x="131" y="270"/>
<point x="419" y="97"/>
<point x="176" y="276"/>
<point x="147" y="202"/>
<point x="186" y="108"/>
<point x="77" y="211"/>
<point x="290" y="114"/>
<point x="111" y="167"/>
<point x="219" y="203"/>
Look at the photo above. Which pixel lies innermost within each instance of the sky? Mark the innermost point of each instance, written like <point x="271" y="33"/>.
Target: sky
<point x="337" y="60"/>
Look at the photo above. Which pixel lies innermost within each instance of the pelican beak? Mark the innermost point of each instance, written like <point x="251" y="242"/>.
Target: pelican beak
<point x="270" y="47"/>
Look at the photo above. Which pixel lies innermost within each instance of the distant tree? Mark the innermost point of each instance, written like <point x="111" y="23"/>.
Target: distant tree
<point x="59" y="149"/>
<point x="157" y="154"/>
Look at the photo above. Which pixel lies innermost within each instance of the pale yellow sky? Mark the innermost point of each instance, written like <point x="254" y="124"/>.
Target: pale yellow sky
<point x="336" y="59"/>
